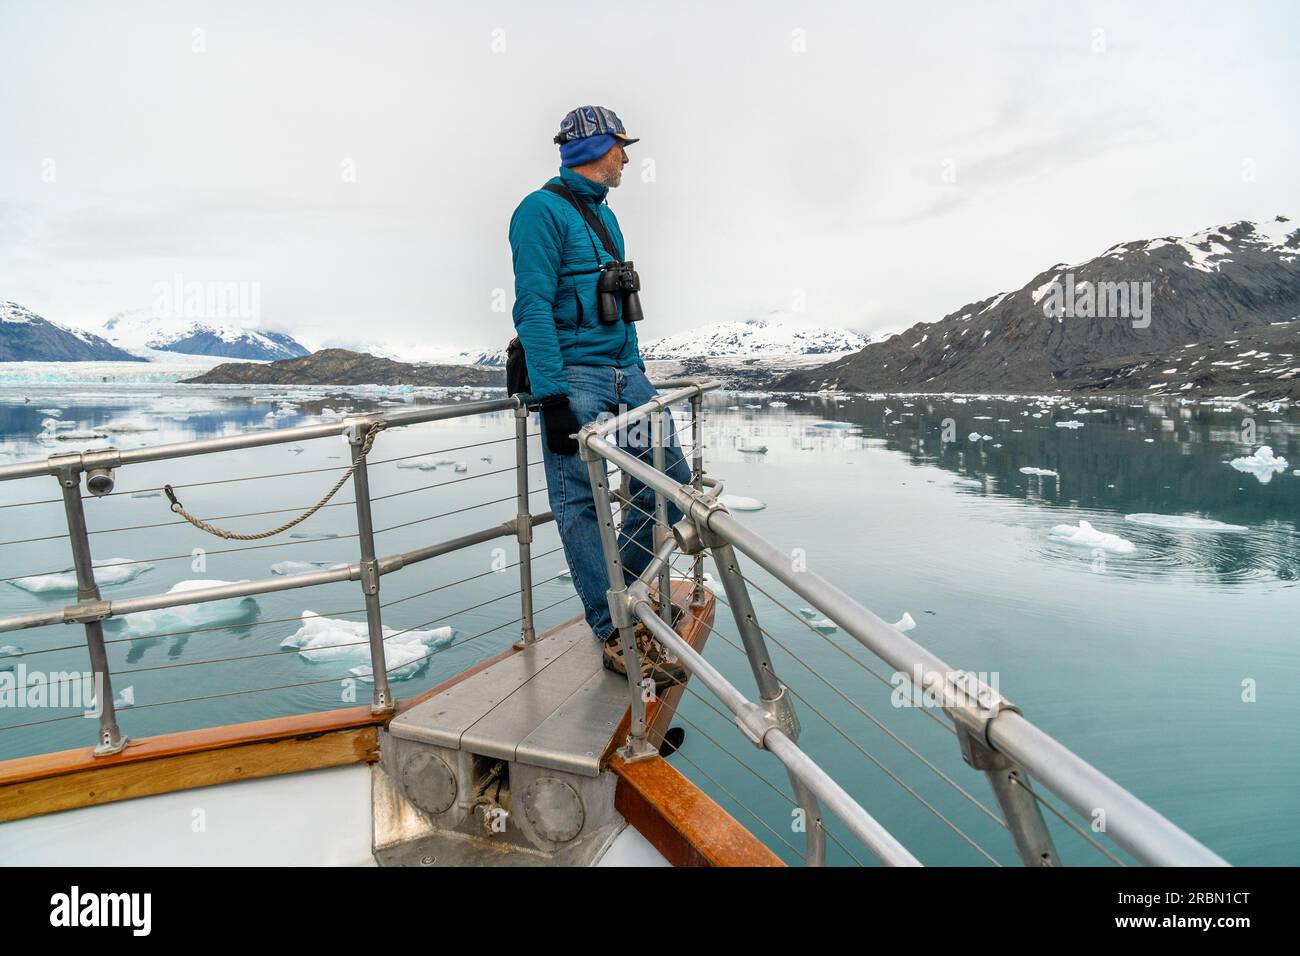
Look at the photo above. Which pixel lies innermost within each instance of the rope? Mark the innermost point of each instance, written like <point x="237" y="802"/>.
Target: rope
<point x="371" y="434"/>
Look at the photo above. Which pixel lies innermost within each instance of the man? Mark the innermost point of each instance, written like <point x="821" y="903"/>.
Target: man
<point x="579" y="367"/>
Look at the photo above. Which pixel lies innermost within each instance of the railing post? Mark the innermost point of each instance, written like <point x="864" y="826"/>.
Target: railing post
<point x="662" y="532"/>
<point x="697" y="480"/>
<point x="68" y="470"/>
<point x="774" y="697"/>
<point x="524" y="527"/>
<point x="638" y="745"/>
<point x="1012" y="788"/>
<point x="382" y="702"/>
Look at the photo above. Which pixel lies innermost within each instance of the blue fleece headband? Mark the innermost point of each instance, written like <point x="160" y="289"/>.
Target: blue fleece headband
<point x="579" y="151"/>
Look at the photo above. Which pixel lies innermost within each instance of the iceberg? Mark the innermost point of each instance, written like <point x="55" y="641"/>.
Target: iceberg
<point x="1086" y="536"/>
<point x="108" y="572"/>
<point x="228" y="612"/>
<point x="324" y="639"/>
<point x="776" y="404"/>
<point x="1069" y="424"/>
<point x="905" y="623"/>
<point x="1184" y="523"/>
<point x="1045" y="472"/>
<point x="815" y="620"/>
<point x="7" y="653"/>
<point x="1263" y="464"/>
<point x="301" y="567"/>
<point x="741" y="503"/>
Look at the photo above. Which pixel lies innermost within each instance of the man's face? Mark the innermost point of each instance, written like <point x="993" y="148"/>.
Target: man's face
<point x="611" y="166"/>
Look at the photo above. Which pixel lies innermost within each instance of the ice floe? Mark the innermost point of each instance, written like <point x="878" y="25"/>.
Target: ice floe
<point x="8" y="652"/>
<point x="751" y="448"/>
<point x="1262" y="464"/>
<point x="1086" y="536"/>
<point x="108" y="572"/>
<point x="1184" y="523"/>
<point x="187" y="617"/>
<point x="301" y="567"/>
<point x="406" y="653"/>
<point x="816" y="620"/>
<point x="741" y="503"/>
<point x="1045" y="472"/>
<point x="905" y="623"/>
<point x="1069" y="424"/>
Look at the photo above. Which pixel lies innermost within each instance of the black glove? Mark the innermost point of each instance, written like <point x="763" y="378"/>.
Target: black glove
<point x="560" y="422"/>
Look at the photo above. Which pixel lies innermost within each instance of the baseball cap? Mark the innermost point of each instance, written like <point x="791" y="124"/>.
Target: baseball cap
<point x="592" y="121"/>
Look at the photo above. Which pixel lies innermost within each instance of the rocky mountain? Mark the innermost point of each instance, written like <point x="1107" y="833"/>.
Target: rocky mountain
<point x="1141" y="298"/>
<point x="145" y="334"/>
<point x="1261" y="363"/>
<point x="421" y="352"/>
<point x="28" y="337"/>
<point x="342" y="367"/>
<point x="753" y="337"/>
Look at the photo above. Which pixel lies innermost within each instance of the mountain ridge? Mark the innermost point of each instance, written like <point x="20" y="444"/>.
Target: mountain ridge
<point x="1210" y="285"/>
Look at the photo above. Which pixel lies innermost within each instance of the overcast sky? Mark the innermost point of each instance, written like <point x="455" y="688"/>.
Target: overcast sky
<point x="865" y="165"/>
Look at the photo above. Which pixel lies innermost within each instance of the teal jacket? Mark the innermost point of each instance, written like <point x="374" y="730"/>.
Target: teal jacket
<point x="555" y="286"/>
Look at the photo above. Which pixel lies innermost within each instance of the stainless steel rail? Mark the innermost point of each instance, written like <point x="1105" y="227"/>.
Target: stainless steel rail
<point x="994" y="737"/>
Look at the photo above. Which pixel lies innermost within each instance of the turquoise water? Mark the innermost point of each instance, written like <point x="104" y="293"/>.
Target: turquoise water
<point x="1138" y="661"/>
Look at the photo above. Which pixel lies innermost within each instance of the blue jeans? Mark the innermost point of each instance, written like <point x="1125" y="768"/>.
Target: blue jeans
<point x="594" y="389"/>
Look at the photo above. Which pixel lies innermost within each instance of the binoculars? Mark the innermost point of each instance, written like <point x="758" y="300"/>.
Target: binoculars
<point x="618" y="280"/>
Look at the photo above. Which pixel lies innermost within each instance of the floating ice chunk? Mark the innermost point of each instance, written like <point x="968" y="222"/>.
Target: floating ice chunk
<point x="301" y="567"/>
<point x="1086" y="536"/>
<point x="741" y="503"/>
<point x="1069" y="424"/>
<point x="324" y="639"/>
<point x="832" y="424"/>
<point x="108" y="572"/>
<point x="748" y="405"/>
<point x="227" y="612"/>
<point x="7" y="654"/>
<point x="295" y="449"/>
<point x="1263" y="464"/>
<point x="973" y="436"/>
<point x="1184" y="523"/>
<point x="905" y="623"/>
<point x="460" y="466"/>
<point x="815" y="619"/>
<point x="1045" y="472"/>
<point x="987" y="437"/>
<point x="565" y="575"/>
<point x="777" y="404"/>
<point x="753" y="449"/>
<point x="1149" y="441"/>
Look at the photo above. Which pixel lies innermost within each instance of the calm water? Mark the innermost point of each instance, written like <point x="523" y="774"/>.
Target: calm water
<point x="1173" y="667"/>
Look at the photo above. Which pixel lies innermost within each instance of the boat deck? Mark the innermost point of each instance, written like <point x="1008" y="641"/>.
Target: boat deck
<point x="552" y="705"/>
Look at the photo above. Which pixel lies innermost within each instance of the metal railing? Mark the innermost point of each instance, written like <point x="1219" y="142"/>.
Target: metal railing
<point x="993" y="736"/>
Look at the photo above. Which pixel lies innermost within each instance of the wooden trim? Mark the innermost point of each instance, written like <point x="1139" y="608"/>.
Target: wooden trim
<point x="65" y="780"/>
<point x="681" y="821"/>
<point x="187" y="771"/>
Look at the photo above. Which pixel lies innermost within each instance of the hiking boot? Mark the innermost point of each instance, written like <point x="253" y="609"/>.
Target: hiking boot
<point x="653" y="660"/>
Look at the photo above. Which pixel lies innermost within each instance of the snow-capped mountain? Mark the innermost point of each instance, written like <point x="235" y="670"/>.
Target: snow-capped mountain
<point x="422" y="353"/>
<point x="756" y="337"/>
<point x="144" y="334"/>
<point x="28" y="337"/>
<point x="1146" y="297"/>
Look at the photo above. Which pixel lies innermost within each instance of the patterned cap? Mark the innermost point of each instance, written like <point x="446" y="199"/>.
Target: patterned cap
<point x="592" y="121"/>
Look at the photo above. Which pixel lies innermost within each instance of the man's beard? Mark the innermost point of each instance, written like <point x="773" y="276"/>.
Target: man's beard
<point x="611" y="178"/>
